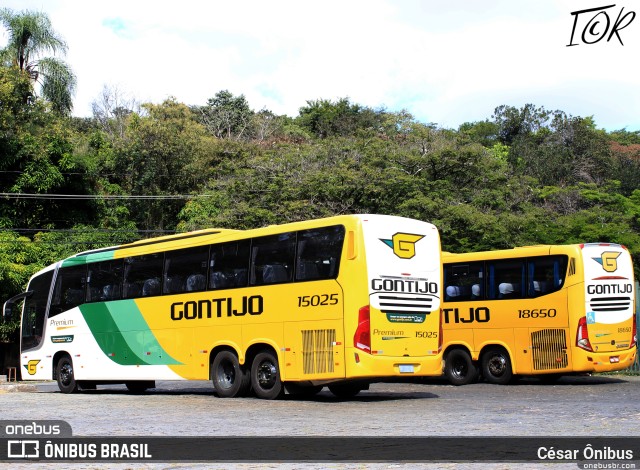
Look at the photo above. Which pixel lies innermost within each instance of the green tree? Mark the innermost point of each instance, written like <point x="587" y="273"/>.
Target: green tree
<point x="15" y="90"/>
<point x="166" y="154"/>
<point x="513" y="122"/>
<point x="30" y="37"/>
<point x="324" y="118"/>
<point x="227" y="116"/>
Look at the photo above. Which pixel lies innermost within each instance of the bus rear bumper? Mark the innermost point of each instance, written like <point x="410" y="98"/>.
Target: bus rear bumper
<point x="604" y="362"/>
<point x="361" y="365"/>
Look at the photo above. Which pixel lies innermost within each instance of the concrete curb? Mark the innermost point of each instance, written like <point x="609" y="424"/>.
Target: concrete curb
<point x="8" y="387"/>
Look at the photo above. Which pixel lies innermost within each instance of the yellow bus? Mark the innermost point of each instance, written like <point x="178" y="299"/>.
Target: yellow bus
<point x="340" y="301"/>
<point x="539" y="310"/>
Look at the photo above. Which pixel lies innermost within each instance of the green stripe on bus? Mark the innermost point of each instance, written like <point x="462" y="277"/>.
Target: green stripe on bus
<point x="123" y="334"/>
<point x="88" y="258"/>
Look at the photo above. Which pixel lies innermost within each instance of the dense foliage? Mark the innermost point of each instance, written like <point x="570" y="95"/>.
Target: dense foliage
<point x="522" y="176"/>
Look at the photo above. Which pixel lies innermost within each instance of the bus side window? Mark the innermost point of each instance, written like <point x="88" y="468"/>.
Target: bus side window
<point x="70" y="288"/>
<point x="464" y="281"/>
<point x="546" y="274"/>
<point x="104" y="279"/>
<point x="196" y="282"/>
<point x="272" y="259"/>
<point x="142" y="275"/>
<point x="228" y="265"/>
<point x="318" y="253"/>
<point x="184" y="270"/>
<point x="507" y="278"/>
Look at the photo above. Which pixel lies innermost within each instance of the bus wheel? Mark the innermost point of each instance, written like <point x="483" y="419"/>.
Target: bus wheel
<point x="64" y="374"/>
<point x="459" y="368"/>
<point x="496" y="366"/>
<point x="140" y="386"/>
<point x="229" y="378"/>
<point x="265" y="376"/>
<point x="346" y="390"/>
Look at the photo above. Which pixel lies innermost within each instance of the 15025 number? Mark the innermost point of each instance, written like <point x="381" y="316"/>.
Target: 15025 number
<point x="317" y="300"/>
<point x="426" y="334"/>
<point x="538" y="313"/>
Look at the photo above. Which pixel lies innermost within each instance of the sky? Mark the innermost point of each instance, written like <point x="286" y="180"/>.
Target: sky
<point x="444" y="62"/>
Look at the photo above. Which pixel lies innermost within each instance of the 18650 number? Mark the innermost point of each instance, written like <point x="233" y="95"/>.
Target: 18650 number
<point x="317" y="300"/>
<point x="538" y="313"/>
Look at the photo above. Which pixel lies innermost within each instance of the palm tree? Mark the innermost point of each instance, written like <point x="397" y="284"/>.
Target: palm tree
<point x="31" y="36"/>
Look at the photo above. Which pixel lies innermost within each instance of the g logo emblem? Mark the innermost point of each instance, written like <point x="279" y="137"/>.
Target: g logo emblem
<point x="32" y="366"/>
<point x="403" y="244"/>
<point x="609" y="261"/>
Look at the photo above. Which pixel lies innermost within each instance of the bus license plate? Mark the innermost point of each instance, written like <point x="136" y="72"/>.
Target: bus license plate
<point x="406" y="368"/>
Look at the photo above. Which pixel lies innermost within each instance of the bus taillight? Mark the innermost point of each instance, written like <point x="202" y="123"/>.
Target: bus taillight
<point x="362" y="338"/>
<point x="582" y="338"/>
<point x="634" y="332"/>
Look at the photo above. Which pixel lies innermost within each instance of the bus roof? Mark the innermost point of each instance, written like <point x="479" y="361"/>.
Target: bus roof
<point x="523" y="251"/>
<point x="206" y="236"/>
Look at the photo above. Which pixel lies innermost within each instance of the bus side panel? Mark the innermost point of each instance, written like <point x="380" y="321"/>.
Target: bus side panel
<point x="118" y="341"/>
<point x="521" y="360"/>
<point x="314" y="350"/>
<point x="461" y="337"/>
<point x="304" y="326"/>
<point x="183" y="329"/>
<point x="498" y="336"/>
<point x="492" y="320"/>
<point x="314" y="340"/>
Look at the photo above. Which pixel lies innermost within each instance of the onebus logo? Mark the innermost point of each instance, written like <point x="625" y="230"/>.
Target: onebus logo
<point x="403" y="244"/>
<point x="609" y="261"/>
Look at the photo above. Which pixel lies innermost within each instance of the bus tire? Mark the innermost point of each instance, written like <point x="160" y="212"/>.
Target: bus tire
<point x="140" y="386"/>
<point x="265" y="376"/>
<point x="346" y="390"/>
<point x="229" y="378"/>
<point x="496" y="366"/>
<point x="64" y="375"/>
<point x="459" y="368"/>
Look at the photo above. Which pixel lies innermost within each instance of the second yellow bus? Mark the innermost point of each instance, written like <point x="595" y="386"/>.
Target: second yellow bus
<point x="538" y="310"/>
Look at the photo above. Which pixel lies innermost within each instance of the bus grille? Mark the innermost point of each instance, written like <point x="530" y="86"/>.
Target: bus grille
<point x="549" y="348"/>
<point x="402" y="303"/>
<point x="317" y="351"/>
<point x="610" y="304"/>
